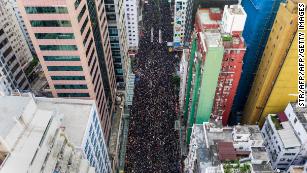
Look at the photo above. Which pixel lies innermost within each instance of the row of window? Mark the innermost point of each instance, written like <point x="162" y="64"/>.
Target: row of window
<point x="50" y="23"/>
<point x="73" y="95"/>
<point x="58" y="47"/>
<point x="70" y="86"/>
<point x="54" y="35"/>
<point x="42" y="10"/>
<point x="67" y="77"/>
<point x="65" y="68"/>
<point x="61" y="58"/>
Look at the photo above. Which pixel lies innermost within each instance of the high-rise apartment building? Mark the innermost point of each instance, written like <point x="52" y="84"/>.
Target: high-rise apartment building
<point x="132" y="23"/>
<point x="275" y="82"/>
<point x="115" y="10"/>
<point x="15" y="36"/>
<point x="260" y="18"/>
<point x="51" y="135"/>
<point x="21" y="23"/>
<point x="214" y="73"/>
<point x="191" y="9"/>
<point x="285" y="136"/>
<point x="179" y="22"/>
<point x="72" y="44"/>
<point x="12" y="76"/>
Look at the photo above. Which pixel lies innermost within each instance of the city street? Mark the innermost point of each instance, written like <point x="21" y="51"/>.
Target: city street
<point x="153" y="145"/>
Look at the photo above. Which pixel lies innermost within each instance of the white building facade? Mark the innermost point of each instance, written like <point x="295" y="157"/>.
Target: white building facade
<point x="285" y="137"/>
<point x="16" y="38"/>
<point x="179" y="22"/>
<point x="51" y="134"/>
<point x="22" y="24"/>
<point x="13" y="51"/>
<point x="132" y="23"/>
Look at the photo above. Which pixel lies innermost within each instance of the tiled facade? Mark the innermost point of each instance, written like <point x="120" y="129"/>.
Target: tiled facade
<point x="71" y="41"/>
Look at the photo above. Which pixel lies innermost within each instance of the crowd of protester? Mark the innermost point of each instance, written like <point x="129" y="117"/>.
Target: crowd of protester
<point x="153" y="145"/>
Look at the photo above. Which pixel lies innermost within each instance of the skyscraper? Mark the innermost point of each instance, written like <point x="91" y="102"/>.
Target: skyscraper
<point x="276" y="80"/>
<point x="132" y="23"/>
<point x="260" y="18"/>
<point x="15" y="36"/>
<point x="215" y="65"/>
<point x="21" y="23"/>
<point x="72" y="44"/>
<point x="14" y="53"/>
<point x="115" y="11"/>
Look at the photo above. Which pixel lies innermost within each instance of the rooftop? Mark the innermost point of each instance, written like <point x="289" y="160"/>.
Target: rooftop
<point x="11" y="108"/>
<point x="301" y="114"/>
<point x="25" y="149"/>
<point x="247" y="129"/>
<point x="75" y="113"/>
<point x="204" y="17"/>
<point x="236" y="9"/>
<point x="259" y="153"/>
<point x="288" y="136"/>
<point x="262" y="168"/>
<point x="226" y="151"/>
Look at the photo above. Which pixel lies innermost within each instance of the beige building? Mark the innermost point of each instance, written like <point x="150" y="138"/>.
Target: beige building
<point x="44" y="135"/>
<point x="15" y="36"/>
<point x="71" y="40"/>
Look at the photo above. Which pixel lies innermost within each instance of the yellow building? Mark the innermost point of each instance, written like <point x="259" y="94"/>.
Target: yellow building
<point x="276" y="80"/>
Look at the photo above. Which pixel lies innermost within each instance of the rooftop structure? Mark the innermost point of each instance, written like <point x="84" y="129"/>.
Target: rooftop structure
<point x="51" y="134"/>
<point x="286" y="137"/>
<point x="191" y="9"/>
<point x="213" y="149"/>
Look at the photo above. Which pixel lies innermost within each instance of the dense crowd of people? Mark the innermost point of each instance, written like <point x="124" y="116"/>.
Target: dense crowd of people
<point x="153" y="145"/>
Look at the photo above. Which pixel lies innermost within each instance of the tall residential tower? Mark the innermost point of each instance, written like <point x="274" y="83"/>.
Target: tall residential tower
<point x="14" y="53"/>
<point x="71" y="41"/>
<point x="115" y="11"/>
<point x="260" y="18"/>
<point x="275" y="82"/>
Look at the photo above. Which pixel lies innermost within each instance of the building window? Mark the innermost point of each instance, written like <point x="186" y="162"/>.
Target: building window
<point x="58" y="47"/>
<point x="50" y="23"/>
<point x="41" y="10"/>
<point x="74" y="95"/>
<point x="65" y="68"/>
<point x="61" y="58"/>
<point x="84" y="25"/>
<point x="81" y="13"/>
<point x="54" y="35"/>
<point x="77" y="3"/>
<point x="67" y="77"/>
<point x="70" y="86"/>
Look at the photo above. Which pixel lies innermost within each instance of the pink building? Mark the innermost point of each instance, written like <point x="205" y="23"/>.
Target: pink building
<point x="72" y="42"/>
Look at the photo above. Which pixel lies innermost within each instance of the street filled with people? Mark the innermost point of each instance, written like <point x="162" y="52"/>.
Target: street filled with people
<point x="153" y="145"/>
